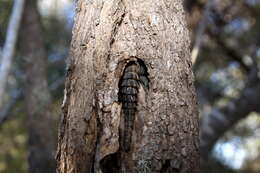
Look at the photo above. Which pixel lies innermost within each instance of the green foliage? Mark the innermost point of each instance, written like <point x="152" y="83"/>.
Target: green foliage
<point x="13" y="153"/>
<point x="5" y="10"/>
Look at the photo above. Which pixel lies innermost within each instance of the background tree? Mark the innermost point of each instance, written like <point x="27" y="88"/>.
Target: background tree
<point x="230" y="90"/>
<point x="41" y="142"/>
<point x="28" y="81"/>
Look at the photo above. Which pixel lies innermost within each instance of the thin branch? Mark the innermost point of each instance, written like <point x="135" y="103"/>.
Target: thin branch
<point x="220" y="120"/>
<point x="1" y="53"/>
<point x="219" y="22"/>
<point x="230" y="52"/>
<point x="201" y="31"/>
<point x="9" y="46"/>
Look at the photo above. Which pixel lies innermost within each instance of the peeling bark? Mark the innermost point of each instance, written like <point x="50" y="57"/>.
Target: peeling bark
<point x="106" y="36"/>
<point x="41" y="144"/>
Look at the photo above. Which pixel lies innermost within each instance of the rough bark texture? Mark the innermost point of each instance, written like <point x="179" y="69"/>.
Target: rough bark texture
<point x="39" y="121"/>
<point x="107" y="36"/>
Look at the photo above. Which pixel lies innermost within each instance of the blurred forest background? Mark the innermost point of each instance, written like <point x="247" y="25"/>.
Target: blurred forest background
<point x="225" y="53"/>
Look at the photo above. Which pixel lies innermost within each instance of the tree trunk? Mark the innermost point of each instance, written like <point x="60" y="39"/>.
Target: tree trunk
<point x="37" y="96"/>
<point x="129" y="103"/>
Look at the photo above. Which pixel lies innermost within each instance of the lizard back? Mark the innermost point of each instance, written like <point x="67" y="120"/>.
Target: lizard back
<point x="135" y="73"/>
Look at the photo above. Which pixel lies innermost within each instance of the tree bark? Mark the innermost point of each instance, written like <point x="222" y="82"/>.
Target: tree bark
<point x="108" y="37"/>
<point x="41" y="143"/>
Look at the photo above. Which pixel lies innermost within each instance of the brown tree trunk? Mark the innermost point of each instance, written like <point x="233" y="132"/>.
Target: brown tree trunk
<point x="104" y="130"/>
<point x="39" y="121"/>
